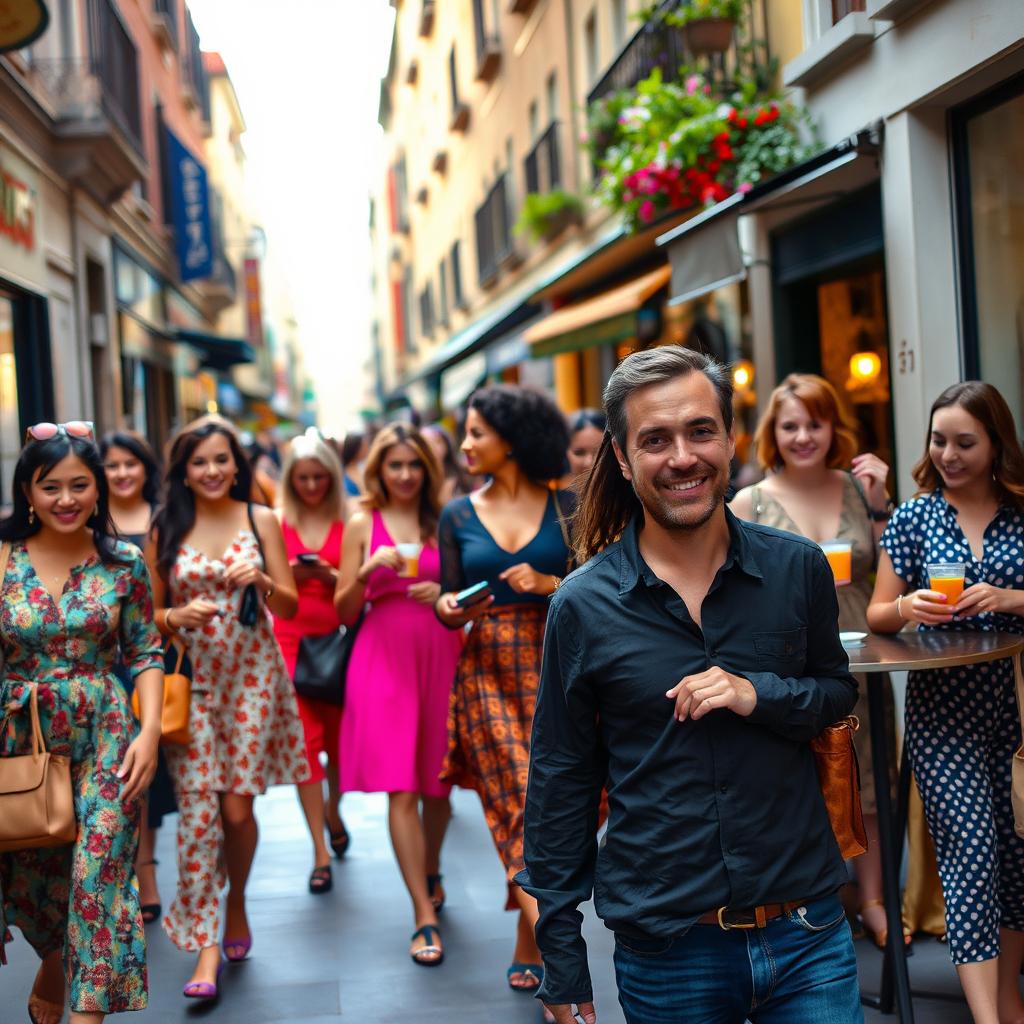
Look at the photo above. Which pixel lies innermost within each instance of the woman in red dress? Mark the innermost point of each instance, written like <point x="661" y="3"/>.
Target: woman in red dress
<point x="312" y="514"/>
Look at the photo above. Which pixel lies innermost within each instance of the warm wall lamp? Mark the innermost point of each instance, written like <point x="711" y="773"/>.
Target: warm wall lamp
<point x="743" y="375"/>
<point x="865" y="367"/>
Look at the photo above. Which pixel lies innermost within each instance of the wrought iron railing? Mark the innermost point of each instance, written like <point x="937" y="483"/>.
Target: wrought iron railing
<point x="658" y="45"/>
<point x="493" y="231"/>
<point x="542" y="169"/>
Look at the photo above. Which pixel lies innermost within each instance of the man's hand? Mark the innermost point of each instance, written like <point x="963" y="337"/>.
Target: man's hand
<point x="696" y="695"/>
<point x="562" y="1012"/>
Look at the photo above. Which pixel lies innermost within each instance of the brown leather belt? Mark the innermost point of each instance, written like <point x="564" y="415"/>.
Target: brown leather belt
<point x="755" y="917"/>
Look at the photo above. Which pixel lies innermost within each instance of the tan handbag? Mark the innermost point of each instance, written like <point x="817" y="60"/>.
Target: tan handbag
<point x="36" y="808"/>
<point x="839" y="779"/>
<point x="1017" y="778"/>
<point x="175" y="711"/>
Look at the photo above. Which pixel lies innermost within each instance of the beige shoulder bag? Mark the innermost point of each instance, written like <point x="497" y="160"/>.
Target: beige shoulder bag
<point x="1017" y="779"/>
<point x="36" y="808"/>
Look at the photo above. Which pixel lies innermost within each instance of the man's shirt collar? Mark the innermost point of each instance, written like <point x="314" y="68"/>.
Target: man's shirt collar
<point x="634" y="570"/>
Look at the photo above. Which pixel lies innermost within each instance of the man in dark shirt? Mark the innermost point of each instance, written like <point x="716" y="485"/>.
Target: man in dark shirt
<point x="687" y="665"/>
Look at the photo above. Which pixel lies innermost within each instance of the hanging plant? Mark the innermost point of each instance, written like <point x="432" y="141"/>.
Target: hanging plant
<point x="547" y="214"/>
<point x="674" y="146"/>
<point x="708" y="25"/>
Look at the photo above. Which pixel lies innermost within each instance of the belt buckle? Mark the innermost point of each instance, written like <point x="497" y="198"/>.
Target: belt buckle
<point x="725" y="926"/>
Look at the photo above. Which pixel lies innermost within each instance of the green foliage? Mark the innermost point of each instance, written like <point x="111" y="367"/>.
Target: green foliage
<point x="696" y="10"/>
<point x="544" y="211"/>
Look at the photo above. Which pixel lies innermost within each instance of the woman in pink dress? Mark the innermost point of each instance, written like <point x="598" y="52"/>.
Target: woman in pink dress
<point x="312" y="516"/>
<point x="394" y="731"/>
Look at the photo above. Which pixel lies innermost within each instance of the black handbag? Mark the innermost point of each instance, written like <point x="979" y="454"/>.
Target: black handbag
<point x="322" y="664"/>
<point x="249" y="604"/>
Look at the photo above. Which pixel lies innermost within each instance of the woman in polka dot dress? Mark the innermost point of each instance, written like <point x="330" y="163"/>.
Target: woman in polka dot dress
<point x="962" y="725"/>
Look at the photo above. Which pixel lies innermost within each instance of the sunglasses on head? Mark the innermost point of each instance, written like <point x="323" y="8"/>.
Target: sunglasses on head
<point x="73" y="428"/>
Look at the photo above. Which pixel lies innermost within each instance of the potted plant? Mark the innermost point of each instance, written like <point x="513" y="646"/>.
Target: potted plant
<point x="547" y="214"/>
<point x="708" y="25"/>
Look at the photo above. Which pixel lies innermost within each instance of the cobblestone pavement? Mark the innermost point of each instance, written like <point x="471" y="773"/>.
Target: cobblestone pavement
<point x="342" y="957"/>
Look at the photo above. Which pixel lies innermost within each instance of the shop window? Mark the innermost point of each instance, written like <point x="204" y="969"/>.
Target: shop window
<point x="10" y="417"/>
<point x="990" y="151"/>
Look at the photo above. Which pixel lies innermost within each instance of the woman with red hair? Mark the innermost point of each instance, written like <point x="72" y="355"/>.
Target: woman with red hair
<point x="819" y="487"/>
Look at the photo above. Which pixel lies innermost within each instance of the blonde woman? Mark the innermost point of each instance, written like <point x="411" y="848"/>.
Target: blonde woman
<point x="312" y="516"/>
<point x="394" y="731"/>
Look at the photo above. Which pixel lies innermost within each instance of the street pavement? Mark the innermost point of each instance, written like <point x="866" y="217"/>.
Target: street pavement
<point x="342" y="956"/>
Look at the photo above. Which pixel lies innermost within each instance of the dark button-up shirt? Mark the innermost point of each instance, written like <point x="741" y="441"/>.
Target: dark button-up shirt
<point x="724" y="811"/>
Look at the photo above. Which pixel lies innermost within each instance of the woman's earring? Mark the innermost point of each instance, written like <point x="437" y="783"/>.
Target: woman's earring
<point x="31" y="515"/>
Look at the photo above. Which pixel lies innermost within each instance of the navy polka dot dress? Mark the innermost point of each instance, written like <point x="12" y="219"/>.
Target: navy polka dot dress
<point x="962" y="728"/>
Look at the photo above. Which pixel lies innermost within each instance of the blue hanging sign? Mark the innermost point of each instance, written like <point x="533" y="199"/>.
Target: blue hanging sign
<point x="190" y="211"/>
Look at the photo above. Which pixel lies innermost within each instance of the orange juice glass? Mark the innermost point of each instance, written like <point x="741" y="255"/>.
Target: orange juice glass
<point x="840" y="559"/>
<point x="411" y="555"/>
<point x="947" y="578"/>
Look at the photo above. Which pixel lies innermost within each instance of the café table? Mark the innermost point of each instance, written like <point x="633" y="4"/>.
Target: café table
<point x="908" y="651"/>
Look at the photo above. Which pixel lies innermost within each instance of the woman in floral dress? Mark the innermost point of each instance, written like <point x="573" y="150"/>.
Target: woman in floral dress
<point x="215" y="557"/>
<point x="73" y="601"/>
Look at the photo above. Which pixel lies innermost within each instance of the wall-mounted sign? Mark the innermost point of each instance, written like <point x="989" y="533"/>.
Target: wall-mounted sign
<point x="17" y="207"/>
<point x="21" y="22"/>
<point x="190" y="210"/>
<point x="253" y="304"/>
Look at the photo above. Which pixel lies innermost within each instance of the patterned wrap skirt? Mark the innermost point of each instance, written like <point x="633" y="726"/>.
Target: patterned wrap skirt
<point x="490" y="718"/>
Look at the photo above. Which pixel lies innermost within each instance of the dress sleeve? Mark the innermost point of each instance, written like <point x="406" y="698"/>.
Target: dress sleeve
<point x="901" y="542"/>
<point x="141" y="644"/>
<point x="453" y="577"/>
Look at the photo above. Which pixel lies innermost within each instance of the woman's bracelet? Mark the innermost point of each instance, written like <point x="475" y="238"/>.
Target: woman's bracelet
<point x="167" y="621"/>
<point x="899" y="608"/>
<point x="558" y="581"/>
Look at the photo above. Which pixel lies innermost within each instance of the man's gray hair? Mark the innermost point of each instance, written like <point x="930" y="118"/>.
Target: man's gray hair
<point x="655" y="366"/>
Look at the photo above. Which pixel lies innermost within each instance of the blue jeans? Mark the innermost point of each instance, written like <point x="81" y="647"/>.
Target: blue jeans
<point x="800" y="967"/>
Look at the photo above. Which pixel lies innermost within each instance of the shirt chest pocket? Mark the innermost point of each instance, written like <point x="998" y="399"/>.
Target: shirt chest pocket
<point x="782" y="651"/>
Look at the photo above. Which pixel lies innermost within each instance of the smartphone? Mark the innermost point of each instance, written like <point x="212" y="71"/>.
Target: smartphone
<point x="473" y="595"/>
<point x="308" y="558"/>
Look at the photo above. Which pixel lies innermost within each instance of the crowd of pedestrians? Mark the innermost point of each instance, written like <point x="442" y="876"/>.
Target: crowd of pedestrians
<point x="577" y="618"/>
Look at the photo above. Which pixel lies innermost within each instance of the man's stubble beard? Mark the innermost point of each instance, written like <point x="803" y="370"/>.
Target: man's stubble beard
<point x="659" y="511"/>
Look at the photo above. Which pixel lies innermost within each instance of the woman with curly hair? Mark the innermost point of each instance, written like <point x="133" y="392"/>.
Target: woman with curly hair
<point x="512" y="535"/>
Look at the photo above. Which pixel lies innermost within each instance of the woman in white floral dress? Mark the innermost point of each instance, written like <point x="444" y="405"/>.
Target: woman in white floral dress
<point x="219" y="564"/>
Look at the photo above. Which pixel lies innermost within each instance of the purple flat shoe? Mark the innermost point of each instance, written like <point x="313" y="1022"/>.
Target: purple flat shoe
<point x="203" y="989"/>
<point x="236" y="950"/>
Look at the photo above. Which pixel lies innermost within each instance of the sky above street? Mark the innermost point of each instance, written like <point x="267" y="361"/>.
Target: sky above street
<point x="307" y="74"/>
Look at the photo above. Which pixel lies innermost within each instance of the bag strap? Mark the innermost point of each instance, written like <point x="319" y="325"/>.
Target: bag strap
<point x="565" y="531"/>
<point x="860" y="494"/>
<point x="180" y="648"/>
<point x="1018" y="678"/>
<point x="5" y="557"/>
<point x="256" y="533"/>
<point x="38" y="743"/>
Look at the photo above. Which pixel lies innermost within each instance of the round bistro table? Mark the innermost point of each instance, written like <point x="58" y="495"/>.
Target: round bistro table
<point x="909" y="651"/>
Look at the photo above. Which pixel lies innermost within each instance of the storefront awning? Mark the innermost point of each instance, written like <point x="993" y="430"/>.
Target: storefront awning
<point x="607" y="319"/>
<point x="705" y="252"/>
<point x="459" y="381"/>
<point x="216" y="351"/>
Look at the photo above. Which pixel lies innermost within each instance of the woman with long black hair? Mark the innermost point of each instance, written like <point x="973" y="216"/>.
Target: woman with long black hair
<point x="133" y="478"/>
<point x="73" y="600"/>
<point x="220" y="566"/>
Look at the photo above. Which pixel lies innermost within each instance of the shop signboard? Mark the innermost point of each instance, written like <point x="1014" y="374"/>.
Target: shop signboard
<point x="21" y="22"/>
<point x="253" y="304"/>
<point x="190" y="211"/>
<point x="21" y="249"/>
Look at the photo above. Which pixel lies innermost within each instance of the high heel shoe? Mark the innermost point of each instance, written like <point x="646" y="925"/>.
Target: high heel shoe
<point x="207" y="990"/>
<point x="150" y="911"/>
<point x="340" y="842"/>
<point x="236" y="950"/>
<point x="881" y="937"/>
<point x="37" y="1005"/>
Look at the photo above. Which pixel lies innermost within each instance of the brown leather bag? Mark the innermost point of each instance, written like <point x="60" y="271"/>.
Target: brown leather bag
<point x="36" y="808"/>
<point x="1017" y="765"/>
<point x="174" y="714"/>
<point x="839" y="779"/>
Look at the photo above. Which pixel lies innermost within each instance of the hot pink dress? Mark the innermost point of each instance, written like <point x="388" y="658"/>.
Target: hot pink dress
<point x="394" y="730"/>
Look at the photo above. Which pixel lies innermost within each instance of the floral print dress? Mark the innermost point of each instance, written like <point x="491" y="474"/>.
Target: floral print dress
<point x="82" y="898"/>
<point x="245" y="731"/>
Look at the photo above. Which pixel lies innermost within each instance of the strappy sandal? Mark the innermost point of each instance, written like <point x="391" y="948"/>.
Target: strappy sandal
<point x="36" y="1005"/>
<point x="881" y="937"/>
<point x="321" y="880"/>
<point x="340" y="842"/>
<point x="433" y="884"/>
<point x="150" y="911"/>
<point x="431" y="953"/>
<point x="534" y="973"/>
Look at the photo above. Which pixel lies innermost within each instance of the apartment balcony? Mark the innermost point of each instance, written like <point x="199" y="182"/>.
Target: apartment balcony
<point x="542" y="165"/>
<point x="427" y="14"/>
<point x="657" y="45"/>
<point x="96" y="120"/>
<point x="164" y="22"/>
<point x="220" y="289"/>
<point x="488" y="58"/>
<point x="459" y="121"/>
<point x="520" y="6"/>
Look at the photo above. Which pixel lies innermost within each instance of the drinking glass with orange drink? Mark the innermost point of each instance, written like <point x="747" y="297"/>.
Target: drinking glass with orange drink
<point x="840" y="559"/>
<point x="947" y="578"/>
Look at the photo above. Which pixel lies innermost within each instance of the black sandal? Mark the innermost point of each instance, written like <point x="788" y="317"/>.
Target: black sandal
<point x="340" y="842"/>
<point x="433" y="884"/>
<point x="430" y="949"/>
<point x="150" y="911"/>
<point x="321" y="880"/>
